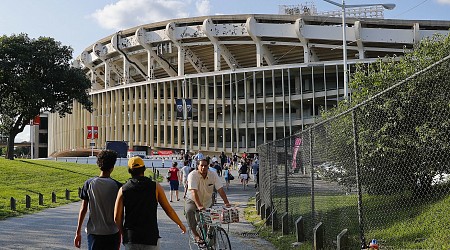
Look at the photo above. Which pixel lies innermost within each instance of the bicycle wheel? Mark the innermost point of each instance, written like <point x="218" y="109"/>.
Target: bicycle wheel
<point x="221" y="240"/>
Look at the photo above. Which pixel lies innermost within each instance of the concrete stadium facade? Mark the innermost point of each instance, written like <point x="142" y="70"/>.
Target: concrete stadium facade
<point x="252" y="78"/>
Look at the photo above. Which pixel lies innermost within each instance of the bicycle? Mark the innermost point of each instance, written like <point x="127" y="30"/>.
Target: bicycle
<point x="210" y="230"/>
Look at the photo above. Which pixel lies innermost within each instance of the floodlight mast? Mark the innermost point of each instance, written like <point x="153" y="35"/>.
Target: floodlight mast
<point x="388" y="6"/>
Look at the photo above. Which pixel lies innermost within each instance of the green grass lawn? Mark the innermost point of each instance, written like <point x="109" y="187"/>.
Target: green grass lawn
<point x="397" y="222"/>
<point x="276" y="238"/>
<point x="19" y="178"/>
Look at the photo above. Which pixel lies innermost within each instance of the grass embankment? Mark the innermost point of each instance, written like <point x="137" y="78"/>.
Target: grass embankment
<point x="19" y="178"/>
<point x="276" y="238"/>
<point x="399" y="224"/>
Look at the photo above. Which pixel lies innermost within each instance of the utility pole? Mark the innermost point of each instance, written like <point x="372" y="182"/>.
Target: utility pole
<point x="185" y="116"/>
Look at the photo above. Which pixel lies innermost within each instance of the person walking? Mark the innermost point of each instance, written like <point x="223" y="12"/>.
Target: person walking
<point x="199" y="156"/>
<point x="217" y="166"/>
<point x="223" y="159"/>
<point x="184" y="175"/>
<point x="135" y="211"/>
<point x="187" y="157"/>
<point x="174" y="180"/>
<point x="99" y="195"/>
<point x="255" y="172"/>
<point x="226" y="175"/>
<point x="235" y="161"/>
<point x="214" y="159"/>
<point x="243" y="173"/>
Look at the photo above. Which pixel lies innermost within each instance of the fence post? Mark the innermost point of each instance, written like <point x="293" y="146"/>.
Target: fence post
<point x="262" y="210"/>
<point x="285" y="224"/>
<point x="53" y="197"/>
<point x="268" y="214"/>
<point x="41" y="199"/>
<point x="358" y="181"/>
<point x="258" y="206"/>
<point x="312" y="176"/>
<point x="67" y="194"/>
<point x="274" y="221"/>
<point x="319" y="236"/>
<point x="342" y="240"/>
<point x="27" y="201"/>
<point x="258" y="202"/>
<point x="299" y="229"/>
<point x="13" y="204"/>
<point x="271" y="179"/>
<point x="286" y="173"/>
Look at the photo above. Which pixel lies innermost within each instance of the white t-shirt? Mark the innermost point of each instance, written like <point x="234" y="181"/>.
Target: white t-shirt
<point x="204" y="186"/>
<point x="185" y="171"/>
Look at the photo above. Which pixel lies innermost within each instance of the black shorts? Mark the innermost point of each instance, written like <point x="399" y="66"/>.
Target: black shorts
<point x="174" y="185"/>
<point x="111" y="241"/>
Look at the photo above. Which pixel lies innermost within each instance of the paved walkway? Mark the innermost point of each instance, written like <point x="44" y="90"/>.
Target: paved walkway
<point x="55" y="228"/>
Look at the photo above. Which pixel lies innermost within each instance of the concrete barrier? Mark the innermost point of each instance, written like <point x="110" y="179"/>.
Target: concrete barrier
<point x="149" y="163"/>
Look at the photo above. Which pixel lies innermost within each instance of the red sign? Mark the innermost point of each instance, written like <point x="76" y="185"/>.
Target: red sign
<point x="165" y="152"/>
<point x="92" y="132"/>
<point x="36" y="120"/>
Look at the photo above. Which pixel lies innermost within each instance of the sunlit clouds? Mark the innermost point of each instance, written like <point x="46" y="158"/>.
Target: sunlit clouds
<point x="130" y="13"/>
<point x="444" y="1"/>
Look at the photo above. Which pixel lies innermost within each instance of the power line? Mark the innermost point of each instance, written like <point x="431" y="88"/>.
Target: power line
<point x="410" y="9"/>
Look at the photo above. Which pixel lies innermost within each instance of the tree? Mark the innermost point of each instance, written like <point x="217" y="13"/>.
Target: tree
<point x="36" y="76"/>
<point x="409" y="142"/>
<point x="403" y="133"/>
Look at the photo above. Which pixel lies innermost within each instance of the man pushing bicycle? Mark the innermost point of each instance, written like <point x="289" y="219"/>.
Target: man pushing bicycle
<point x="201" y="184"/>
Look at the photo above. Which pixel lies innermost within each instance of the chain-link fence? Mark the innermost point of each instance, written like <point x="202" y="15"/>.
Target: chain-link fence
<point x="381" y="170"/>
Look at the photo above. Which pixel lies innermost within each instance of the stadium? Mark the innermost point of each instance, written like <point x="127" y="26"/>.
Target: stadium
<point x="251" y="79"/>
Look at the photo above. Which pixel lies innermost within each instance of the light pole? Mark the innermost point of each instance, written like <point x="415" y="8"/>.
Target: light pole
<point x="185" y="116"/>
<point x="388" y="6"/>
<point x="92" y="143"/>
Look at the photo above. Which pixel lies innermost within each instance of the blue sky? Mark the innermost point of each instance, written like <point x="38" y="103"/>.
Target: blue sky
<point x="80" y="23"/>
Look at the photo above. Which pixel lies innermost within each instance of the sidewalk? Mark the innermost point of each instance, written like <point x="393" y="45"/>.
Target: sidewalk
<point x="55" y="228"/>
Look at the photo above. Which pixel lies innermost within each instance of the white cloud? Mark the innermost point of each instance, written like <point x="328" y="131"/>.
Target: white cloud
<point x="203" y="7"/>
<point x="130" y="13"/>
<point x="444" y="1"/>
<point x="24" y="136"/>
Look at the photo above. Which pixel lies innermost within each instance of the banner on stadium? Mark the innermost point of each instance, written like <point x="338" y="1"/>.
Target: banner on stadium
<point x="297" y="144"/>
<point x="92" y="132"/>
<point x="189" y="108"/>
<point x="179" y="104"/>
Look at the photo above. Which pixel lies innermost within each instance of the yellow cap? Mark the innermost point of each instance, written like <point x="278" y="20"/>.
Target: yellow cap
<point x="135" y="162"/>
